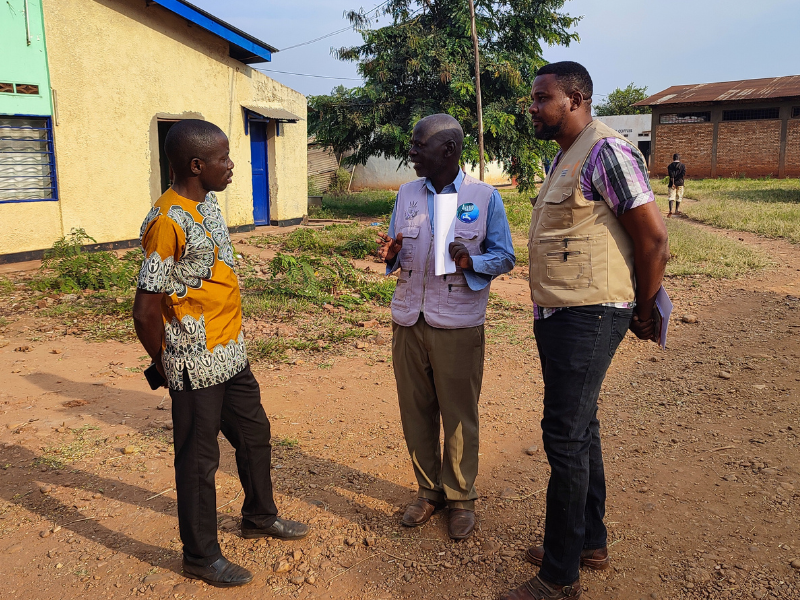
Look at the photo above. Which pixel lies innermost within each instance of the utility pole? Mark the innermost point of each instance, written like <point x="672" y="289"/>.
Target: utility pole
<point x="477" y="87"/>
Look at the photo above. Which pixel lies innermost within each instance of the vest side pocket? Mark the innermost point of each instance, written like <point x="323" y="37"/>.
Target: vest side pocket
<point x="406" y="256"/>
<point x="402" y="287"/>
<point x="565" y="263"/>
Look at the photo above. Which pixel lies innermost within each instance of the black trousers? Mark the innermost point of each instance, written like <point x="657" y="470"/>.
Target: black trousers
<point x="233" y="407"/>
<point x="576" y="346"/>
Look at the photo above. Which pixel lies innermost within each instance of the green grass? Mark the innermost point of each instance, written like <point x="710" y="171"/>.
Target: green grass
<point x="694" y="251"/>
<point x="373" y="203"/>
<point x="768" y="207"/>
<point x="286" y="442"/>
<point x="518" y="211"/>
<point x="6" y="285"/>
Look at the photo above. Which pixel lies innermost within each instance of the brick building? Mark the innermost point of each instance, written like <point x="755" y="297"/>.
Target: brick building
<point x="749" y="127"/>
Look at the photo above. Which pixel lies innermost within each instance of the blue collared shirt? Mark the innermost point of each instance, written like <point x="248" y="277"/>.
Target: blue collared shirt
<point x="498" y="257"/>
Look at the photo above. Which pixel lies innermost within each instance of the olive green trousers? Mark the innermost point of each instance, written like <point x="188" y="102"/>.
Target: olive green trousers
<point x="439" y="374"/>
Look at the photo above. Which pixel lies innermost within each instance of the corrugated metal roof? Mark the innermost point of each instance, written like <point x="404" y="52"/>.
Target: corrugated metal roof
<point x="278" y="114"/>
<point x="322" y="164"/>
<point x="727" y="91"/>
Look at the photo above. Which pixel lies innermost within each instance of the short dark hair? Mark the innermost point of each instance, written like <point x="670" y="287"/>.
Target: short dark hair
<point x="571" y="76"/>
<point x="188" y="139"/>
<point x="675" y="157"/>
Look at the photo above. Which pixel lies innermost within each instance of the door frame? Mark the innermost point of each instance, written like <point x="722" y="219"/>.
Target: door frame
<point x="256" y="118"/>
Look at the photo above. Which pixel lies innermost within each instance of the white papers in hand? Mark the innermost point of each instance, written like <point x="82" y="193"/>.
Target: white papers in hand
<point x="444" y="231"/>
<point x="664" y="308"/>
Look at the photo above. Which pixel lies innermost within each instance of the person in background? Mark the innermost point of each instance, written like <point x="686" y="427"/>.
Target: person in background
<point x="188" y="316"/>
<point x="676" y="171"/>
<point x="597" y="251"/>
<point x="438" y="338"/>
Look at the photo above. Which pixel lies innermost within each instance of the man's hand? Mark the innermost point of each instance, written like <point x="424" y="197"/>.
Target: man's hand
<point x="388" y="248"/>
<point x="460" y="255"/>
<point x="644" y="329"/>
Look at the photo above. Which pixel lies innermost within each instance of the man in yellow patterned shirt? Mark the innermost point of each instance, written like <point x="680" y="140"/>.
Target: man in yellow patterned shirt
<point x="188" y="316"/>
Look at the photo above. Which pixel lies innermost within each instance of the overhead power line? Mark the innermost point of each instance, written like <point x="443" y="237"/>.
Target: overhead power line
<point x="309" y="75"/>
<point x="332" y="33"/>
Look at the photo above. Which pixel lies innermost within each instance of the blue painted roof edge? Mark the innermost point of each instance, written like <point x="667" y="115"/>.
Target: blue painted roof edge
<point x="220" y="28"/>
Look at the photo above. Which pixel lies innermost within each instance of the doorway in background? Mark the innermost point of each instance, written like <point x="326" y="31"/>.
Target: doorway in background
<point x="163" y="163"/>
<point x="259" y="162"/>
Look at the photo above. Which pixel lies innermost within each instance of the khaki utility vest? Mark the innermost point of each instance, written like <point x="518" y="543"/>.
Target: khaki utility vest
<point x="579" y="253"/>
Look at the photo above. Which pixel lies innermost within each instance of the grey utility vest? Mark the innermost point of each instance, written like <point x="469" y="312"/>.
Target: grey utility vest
<point x="446" y="301"/>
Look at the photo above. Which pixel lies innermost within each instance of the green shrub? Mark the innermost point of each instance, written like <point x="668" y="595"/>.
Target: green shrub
<point x="313" y="190"/>
<point x="344" y="239"/>
<point x="321" y="280"/>
<point x="68" y="267"/>
<point x="340" y="182"/>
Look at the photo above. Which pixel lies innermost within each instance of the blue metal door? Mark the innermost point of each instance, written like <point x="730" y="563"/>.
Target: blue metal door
<point x="258" y="158"/>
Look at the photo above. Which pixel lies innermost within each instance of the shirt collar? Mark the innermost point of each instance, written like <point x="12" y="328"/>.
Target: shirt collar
<point x="456" y="183"/>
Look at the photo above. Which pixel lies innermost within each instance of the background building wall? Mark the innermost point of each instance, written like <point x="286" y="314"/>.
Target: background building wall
<point x="693" y="141"/>
<point x="118" y="66"/>
<point x="793" y="148"/>
<point x="750" y="148"/>
<point x="21" y="62"/>
<point x="387" y="174"/>
<point x="26" y="225"/>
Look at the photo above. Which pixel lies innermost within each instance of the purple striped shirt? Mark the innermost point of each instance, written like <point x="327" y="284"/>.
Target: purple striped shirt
<point x="614" y="172"/>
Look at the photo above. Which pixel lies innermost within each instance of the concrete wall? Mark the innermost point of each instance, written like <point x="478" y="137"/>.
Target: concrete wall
<point x="756" y="148"/>
<point x="634" y="127"/>
<point x="386" y="174"/>
<point x="118" y="66"/>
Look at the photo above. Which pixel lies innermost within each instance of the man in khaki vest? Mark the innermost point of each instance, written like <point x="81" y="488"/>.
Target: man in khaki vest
<point x="597" y="250"/>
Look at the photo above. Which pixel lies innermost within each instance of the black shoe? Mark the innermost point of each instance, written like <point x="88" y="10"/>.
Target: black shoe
<point x="222" y="573"/>
<point x="282" y="529"/>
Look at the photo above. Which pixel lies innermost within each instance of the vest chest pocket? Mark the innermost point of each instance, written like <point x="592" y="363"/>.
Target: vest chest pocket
<point x="565" y="263"/>
<point x="406" y="256"/>
<point x="560" y="210"/>
<point x="469" y="238"/>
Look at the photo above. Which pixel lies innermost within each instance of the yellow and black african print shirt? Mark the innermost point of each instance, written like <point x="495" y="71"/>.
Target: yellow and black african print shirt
<point x="189" y="258"/>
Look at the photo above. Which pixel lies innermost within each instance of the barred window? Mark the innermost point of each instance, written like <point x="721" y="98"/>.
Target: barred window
<point x="689" y="117"/>
<point x="6" y="88"/>
<point x="750" y="114"/>
<point x="27" y="160"/>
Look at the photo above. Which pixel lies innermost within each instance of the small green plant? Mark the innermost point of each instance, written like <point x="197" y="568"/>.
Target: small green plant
<point x="6" y="285"/>
<point x="68" y="267"/>
<point x="313" y="190"/>
<point x="286" y="442"/>
<point x="340" y="182"/>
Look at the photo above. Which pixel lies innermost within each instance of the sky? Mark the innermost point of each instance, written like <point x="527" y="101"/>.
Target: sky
<point x="649" y="43"/>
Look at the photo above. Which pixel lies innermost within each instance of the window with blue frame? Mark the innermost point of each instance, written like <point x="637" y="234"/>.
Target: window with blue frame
<point x="27" y="159"/>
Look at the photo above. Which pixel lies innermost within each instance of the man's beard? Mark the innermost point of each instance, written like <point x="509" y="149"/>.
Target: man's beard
<point x="547" y="132"/>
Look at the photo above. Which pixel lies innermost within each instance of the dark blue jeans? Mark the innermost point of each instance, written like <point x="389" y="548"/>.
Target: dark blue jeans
<point x="575" y="346"/>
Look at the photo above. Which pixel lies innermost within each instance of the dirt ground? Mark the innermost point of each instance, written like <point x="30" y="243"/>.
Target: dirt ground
<point x="700" y="440"/>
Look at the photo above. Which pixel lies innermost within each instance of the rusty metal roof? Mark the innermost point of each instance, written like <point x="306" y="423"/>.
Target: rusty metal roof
<point x="727" y="91"/>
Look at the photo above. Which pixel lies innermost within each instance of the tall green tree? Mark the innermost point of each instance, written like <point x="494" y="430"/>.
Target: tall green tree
<point x="422" y="63"/>
<point x="620" y="102"/>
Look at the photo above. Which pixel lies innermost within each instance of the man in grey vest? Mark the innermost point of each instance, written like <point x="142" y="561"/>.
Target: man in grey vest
<point x="438" y="342"/>
<point x="597" y="252"/>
